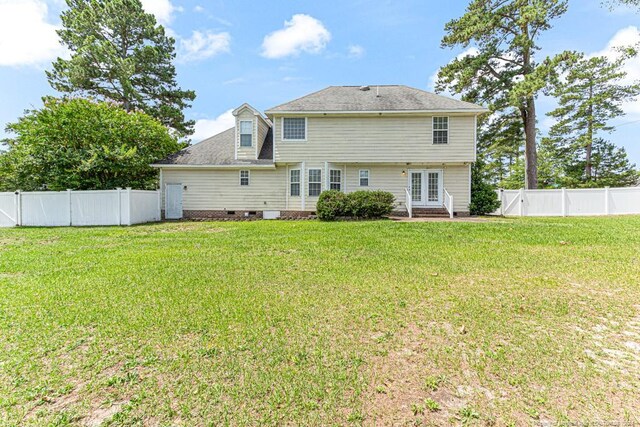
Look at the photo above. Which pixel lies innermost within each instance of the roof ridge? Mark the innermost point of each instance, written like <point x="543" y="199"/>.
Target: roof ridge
<point x="300" y="97"/>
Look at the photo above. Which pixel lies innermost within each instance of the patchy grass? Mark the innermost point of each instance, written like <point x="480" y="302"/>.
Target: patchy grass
<point x="506" y="322"/>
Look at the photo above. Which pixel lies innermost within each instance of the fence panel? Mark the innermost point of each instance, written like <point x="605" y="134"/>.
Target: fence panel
<point x="543" y="202"/>
<point x="624" y="200"/>
<point x="574" y="202"/>
<point x="94" y="208"/>
<point x="45" y="208"/>
<point x="584" y="202"/>
<point x="7" y="209"/>
<point x="144" y="206"/>
<point x="79" y="208"/>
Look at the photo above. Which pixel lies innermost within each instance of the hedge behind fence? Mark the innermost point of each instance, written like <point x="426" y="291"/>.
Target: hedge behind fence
<point x="334" y="204"/>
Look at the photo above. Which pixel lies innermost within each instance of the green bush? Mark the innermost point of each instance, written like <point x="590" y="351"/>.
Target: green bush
<point x="359" y="204"/>
<point x="484" y="199"/>
<point x="331" y="205"/>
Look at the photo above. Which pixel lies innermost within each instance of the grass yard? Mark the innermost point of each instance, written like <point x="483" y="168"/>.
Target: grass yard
<point x="506" y="322"/>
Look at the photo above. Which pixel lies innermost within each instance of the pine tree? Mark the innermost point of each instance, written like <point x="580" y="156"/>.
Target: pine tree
<point x="119" y="53"/>
<point x="589" y="97"/>
<point x="504" y="71"/>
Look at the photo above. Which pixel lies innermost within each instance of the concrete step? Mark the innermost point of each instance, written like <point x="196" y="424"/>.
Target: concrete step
<point x="430" y="213"/>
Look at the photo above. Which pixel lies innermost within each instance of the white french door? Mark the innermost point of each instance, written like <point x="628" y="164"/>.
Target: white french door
<point x="425" y="187"/>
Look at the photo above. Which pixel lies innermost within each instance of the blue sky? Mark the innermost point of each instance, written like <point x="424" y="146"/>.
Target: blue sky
<point x="231" y="52"/>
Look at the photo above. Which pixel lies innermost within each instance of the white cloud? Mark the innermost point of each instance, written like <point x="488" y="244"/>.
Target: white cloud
<point x="203" y="45"/>
<point x="206" y="128"/>
<point x="433" y="78"/>
<point x="356" y="51"/>
<point x="26" y="38"/>
<point x="198" y="9"/>
<point x="303" y="33"/>
<point x="162" y="9"/>
<point x="626" y="37"/>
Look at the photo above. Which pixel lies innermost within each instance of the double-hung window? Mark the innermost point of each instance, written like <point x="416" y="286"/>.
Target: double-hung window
<point x="294" y="182"/>
<point x="246" y="133"/>
<point x="244" y="178"/>
<point x="315" y="182"/>
<point x="294" y="129"/>
<point x="364" y="178"/>
<point x="335" y="179"/>
<point x="441" y="130"/>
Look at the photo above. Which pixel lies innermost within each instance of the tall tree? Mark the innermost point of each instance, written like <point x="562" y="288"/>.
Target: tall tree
<point x="119" y="53"/>
<point x="84" y="145"/>
<point x="632" y="3"/>
<point x="589" y="95"/>
<point x="503" y="71"/>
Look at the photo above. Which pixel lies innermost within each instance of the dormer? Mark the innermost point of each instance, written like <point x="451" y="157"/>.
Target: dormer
<point x="251" y="130"/>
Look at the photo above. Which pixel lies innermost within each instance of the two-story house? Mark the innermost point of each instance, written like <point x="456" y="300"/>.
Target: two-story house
<point x="415" y="144"/>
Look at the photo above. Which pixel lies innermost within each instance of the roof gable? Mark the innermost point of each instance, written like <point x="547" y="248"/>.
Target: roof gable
<point x="394" y="98"/>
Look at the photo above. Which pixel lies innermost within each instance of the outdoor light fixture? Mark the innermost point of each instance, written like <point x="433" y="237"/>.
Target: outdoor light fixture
<point x="404" y="173"/>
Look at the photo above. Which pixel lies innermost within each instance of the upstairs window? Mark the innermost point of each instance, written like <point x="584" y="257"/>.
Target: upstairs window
<point x="441" y="130"/>
<point x="294" y="182"/>
<point x="244" y="178"/>
<point x="364" y="178"/>
<point x="294" y="129"/>
<point x="246" y="133"/>
<point x="315" y="182"/>
<point x="335" y="179"/>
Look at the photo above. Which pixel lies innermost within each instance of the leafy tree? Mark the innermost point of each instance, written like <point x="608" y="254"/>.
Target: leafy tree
<point x="118" y="53"/>
<point x="500" y="142"/>
<point x="633" y="3"/>
<point x="503" y="72"/>
<point x="484" y="199"/>
<point x="83" y="145"/>
<point x="589" y="97"/>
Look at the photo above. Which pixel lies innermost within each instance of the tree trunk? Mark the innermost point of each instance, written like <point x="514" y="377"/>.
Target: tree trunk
<point x="528" y="114"/>
<point x="589" y="146"/>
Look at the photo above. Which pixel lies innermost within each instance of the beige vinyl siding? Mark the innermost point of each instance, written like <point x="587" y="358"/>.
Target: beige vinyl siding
<point x="378" y="139"/>
<point x="457" y="181"/>
<point x="246" y="153"/>
<point x="220" y="189"/>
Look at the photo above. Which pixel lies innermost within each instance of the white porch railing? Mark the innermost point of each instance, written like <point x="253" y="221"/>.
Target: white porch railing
<point x="408" y="202"/>
<point x="448" y="203"/>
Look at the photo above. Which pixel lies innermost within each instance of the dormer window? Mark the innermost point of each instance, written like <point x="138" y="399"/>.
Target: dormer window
<point x="246" y="133"/>
<point x="294" y="129"/>
<point x="441" y="130"/>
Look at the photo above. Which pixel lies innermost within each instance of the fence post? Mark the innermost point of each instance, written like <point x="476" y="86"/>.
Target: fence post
<point x="70" y="207"/>
<point x="18" y="206"/>
<point x="159" y="213"/>
<point x="119" y="191"/>
<point x="521" y="207"/>
<point x="502" y="202"/>
<point x="607" y="208"/>
<point x="129" y="205"/>
<point x="564" y="201"/>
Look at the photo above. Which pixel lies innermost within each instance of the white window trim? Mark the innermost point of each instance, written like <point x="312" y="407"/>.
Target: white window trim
<point x="300" y="189"/>
<point x="314" y="182"/>
<point x="335" y="182"/>
<point x="248" y="177"/>
<point x="368" y="178"/>
<point x="240" y="133"/>
<point x="433" y="130"/>
<point x="306" y="130"/>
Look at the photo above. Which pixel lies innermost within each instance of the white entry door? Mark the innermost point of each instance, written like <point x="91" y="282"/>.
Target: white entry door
<point x="173" y="201"/>
<point x="425" y="187"/>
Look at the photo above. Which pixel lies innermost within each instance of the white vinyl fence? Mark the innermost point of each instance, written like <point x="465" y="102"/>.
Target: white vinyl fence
<point x="70" y="208"/>
<point x="565" y="202"/>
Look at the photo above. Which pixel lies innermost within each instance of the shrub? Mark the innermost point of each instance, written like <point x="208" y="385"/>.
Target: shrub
<point x="334" y="204"/>
<point x="370" y="204"/>
<point x="331" y="205"/>
<point x="484" y="199"/>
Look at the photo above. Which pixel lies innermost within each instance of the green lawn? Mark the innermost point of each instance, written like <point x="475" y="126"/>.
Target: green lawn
<point x="505" y="322"/>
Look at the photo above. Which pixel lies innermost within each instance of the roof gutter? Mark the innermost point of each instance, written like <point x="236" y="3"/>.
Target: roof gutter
<point x="465" y="110"/>
<point x="234" y="166"/>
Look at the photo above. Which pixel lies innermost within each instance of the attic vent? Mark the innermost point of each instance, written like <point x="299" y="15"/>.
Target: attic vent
<point x="365" y="88"/>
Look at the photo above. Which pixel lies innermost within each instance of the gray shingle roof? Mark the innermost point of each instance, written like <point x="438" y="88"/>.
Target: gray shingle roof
<point x="377" y="98"/>
<point x="218" y="150"/>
